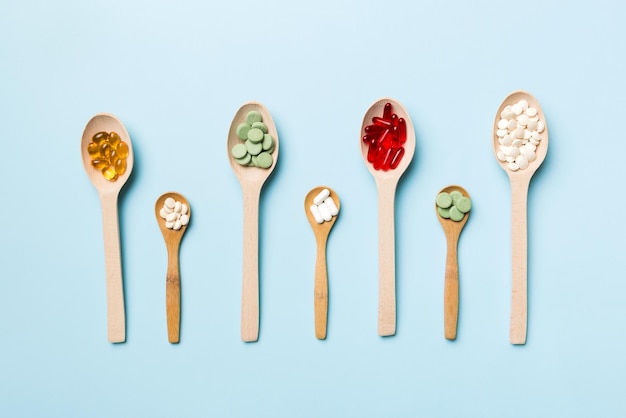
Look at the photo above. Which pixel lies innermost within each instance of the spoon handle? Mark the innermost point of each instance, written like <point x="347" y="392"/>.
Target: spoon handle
<point x="451" y="290"/>
<point x="250" y="284"/>
<point x="321" y="289"/>
<point x="387" y="259"/>
<point x="519" y="245"/>
<point x="172" y="295"/>
<point x="113" y="267"/>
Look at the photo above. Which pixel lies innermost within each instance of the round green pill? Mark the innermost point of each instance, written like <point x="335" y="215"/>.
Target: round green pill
<point x="242" y="131"/>
<point x="253" y="116"/>
<point x="255" y="135"/>
<point x="239" y="151"/>
<point x="245" y="160"/>
<point x="261" y="126"/>
<point x="464" y="204"/>
<point x="444" y="200"/>
<point x="264" y="160"/>
<point x="455" y="214"/>
<point x="268" y="142"/>
<point x="254" y="148"/>
<point x="455" y="195"/>
<point x="444" y="212"/>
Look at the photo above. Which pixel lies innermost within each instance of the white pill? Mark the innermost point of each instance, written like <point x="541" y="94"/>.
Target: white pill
<point x="534" y="119"/>
<point x="505" y="150"/>
<point x="534" y="141"/>
<point x="163" y="213"/>
<point x="332" y="206"/>
<point x="531" y="111"/>
<point x="315" y="211"/>
<point x="169" y="225"/>
<point x="513" y="166"/>
<point x="178" y="207"/>
<point x="522" y="120"/>
<point x="325" y="211"/>
<point x="168" y="210"/>
<point x="507" y="140"/>
<point x="540" y="126"/>
<point x="501" y="132"/>
<point x="517" y="109"/>
<point x="514" y="152"/>
<point x="171" y="217"/>
<point x="509" y="159"/>
<point x="535" y="136"/>
<point x="519" y="133"/>
<point x="521" y="161"/>
<point x="170" y="203"/>
<point x="524" y="104"/>
<point x="532" y="125"/>
<point x="184" y="219"/>
<point x="526" y="134"/>
<point x="516" y="143"/>
<point x="508" y="114"/>
<point x="529" y="154"/>
<point x="321" y="196"/>
<point x="177" y="225"/>
<point x="530" y="146"/>
<point x="503" y="123"/>
<point x="500" y="156"/>
<point x="512" y="125"/>
<point x="184" y="208"/>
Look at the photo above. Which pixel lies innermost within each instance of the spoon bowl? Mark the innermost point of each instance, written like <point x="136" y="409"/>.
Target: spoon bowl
<point x="520" y="181"/>
<point x="172" y="239"/>
<point x="321" y="232"/>
<point x="108" y="191"/>
<point x="251" y="180"/>
<point x="386" y="182"/>
<point x="452" y="230"/>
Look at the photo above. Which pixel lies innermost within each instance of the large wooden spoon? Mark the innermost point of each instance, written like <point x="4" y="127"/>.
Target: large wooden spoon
<point x="386" y="182"/>
<point x="520" y="181"/>
<point x="172" y="239"/>
<point x="251" y="180"/>
<point x="321" y="231"/>
<point x="452" y="230"/>
<point x="109" y="192"/>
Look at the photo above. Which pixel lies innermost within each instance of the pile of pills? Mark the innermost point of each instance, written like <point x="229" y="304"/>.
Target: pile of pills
<point x="258" y="145"/>
<point x="385" y="137"/>
<point x="519" y="134"/>
<point x="453" y="205"/>
<point x="175" y="214"/>
<point x="323" y="208"/>
<point x="108" y="154"/>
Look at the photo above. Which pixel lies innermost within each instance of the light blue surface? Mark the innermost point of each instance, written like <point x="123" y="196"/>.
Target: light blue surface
<point x="175" y="73"/>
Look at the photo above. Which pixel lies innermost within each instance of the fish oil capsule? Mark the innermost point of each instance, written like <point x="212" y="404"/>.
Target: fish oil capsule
<point x="93" y="149"/>
<point x="122" y="149"/>
<point x="100" y="163"/>
<point x="109" y="173"/>
<point x="113" y="157"/>
<point x="120" y="166"/>
<point x="105" y="149"/>
<point x="114" y="139"/>
<point x="100" y="137"/>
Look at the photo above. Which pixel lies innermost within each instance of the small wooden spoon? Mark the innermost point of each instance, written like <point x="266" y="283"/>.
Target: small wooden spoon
<point x="321" y="232"/>
<point x="520" y="180"/>
<point x="172" y="279"/>
<point x="452" y="230"/>
<point x="109" y="192"/>
<point x="251" y="180"/>
<point x="386" y="182"/>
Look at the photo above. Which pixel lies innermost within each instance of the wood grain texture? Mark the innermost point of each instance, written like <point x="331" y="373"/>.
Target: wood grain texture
<point x="108" y="192"/>
<point x="252" y="180"/>
<point x="452" y="231"/>
<point x="172" y="239"/>
<point x="386" y="182"/>
<point x="321" y="232"/>
<point x="520" y="181"/>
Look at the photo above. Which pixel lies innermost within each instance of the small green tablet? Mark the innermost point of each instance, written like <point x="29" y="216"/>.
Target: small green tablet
<point x="464" y="204"/>
<point x="254" y="148"/>
<point x="265" y="160"/>
<point x="444" y="212"/>
<point x="444" y="200"/>
<point x="255" y="135"/>
<point x="242" y="131"/>
<point x="239" y="151"/>
<point x="455" y="214"/>
<point x="253" y="116"/>
<point x="261" y="126"/>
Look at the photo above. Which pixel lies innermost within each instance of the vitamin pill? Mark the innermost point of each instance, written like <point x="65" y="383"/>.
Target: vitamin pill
<point x="455" y="195"/>
<point x="177" y="225"/>
<point x="169" y="203"/>
<point x="444" y="200"/>
<point x="109" y="173"/>
<point x="253" y="116"/>
<point x="99" y="137"/>
<point x="517" y="109"/>
<point x="183" y="209"/>
<point x="503" y="124"/>
<point x="178" y="206"/>
<point x="385" y="136"/>
<point x="258" y="145"/>
<point x="455" y="214"/>
<point x="114" y="139"/>
<point x="321" y="196"/>
<point x="523" y="128"/>
<point x="264" y="160"/>
<point x="120" y="166"/>
<point x="268" y="143"/>
<point x="395" y="160"/>
<point x="174" y="214"/>
<point x="122" y="149"/>
<point x="531" y="111"/>
<point x="171" y="217"/>
<point x="325" y="212"/>
<point x="315" y="211"/>
<point x="239" y="151"/>
<point x="444" y="212"/>
<point x="254" y="148"/>
<point x="330" y="203"/>
<point x="100" y="163"/>
<point x="452" y="205"/>
<point x="261" y="126"/>
<point x="242" y="131"/>
<point x="184" y="219"/>
<point x="255" y="135"/>
<point x="464" y="204"/>
<point x="163" y="213"/>
<point x="93" y="149"/>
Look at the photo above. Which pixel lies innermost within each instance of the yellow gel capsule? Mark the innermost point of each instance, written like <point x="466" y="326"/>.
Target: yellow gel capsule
<point x="109" y="173"/>
<point x="99" y="137"/>
<point x="105" y="150"/>
<point x="93" y="150"/>
<point x="114" y="139"/>
<point x="120" y="166"/>
<point x="99" y="163"/>
<point x="113" y="157"/>
<point x="122" y="149"/>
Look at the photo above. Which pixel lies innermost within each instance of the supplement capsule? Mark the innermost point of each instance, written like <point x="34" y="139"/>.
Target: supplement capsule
<point x="370" y="129"/>
<point x="100" y="163"/>
<point x="99" y="137"/>
<point x="331" y="206"/>
<point x="93" y="150"/>
<point x="114" y="139"/>
<point x="109" y="173"/>
<point x="325" y="211"/>
<point x="105" y="149"/>
<point x="387" y="111"/>
<point x="401" y="130"/>
<point x="316" y="214"/>
<point x="120" y="166"/>
<point x="395" y="160"/>
<point x="378" y="121"/>
<point x="122" y="149"/>
<point x="321" y="196"/>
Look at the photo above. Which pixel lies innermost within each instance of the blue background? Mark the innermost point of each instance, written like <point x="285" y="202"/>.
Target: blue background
<point x="175" y="73"/>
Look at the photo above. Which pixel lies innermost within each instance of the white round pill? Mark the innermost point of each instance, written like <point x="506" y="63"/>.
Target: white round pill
<point x="519" y="133"/>
<point x="163" y="213"/>
<point x="178" y="207"/>
<point x="521" y="161"/>
<point x="514" y="152"/>
<point x="501" y="132"/>
<point x="522" y="120"/>
<point x="533" y="141"/>
<point x="169" y="225"/>
<point x="535" y="136"/>
<point x="177" y="225"/>
<point x="516" y="143"/>
<point x="513" y="166"/>
<point x="524" y="104"/>
<point x="540" y="126"/>
<point x="509" y="159"/>
<point x="530" y="146"/>
<point x="184" y="219"/>
<point x="171" y="217"/>
<point x="169" y="203"/>
<point x="503" y="123"/>
<point x="500" y="156"/>
<point x="184" y="209"/>
<point x="529" y="154"/>
<point x="507" y="140"/>
<point x="532" y="125"/>
<point x="517" y="109"/>
<point x="512" y="124"/>
<point x="531" y="111"/>
<point x="526" y="134"/>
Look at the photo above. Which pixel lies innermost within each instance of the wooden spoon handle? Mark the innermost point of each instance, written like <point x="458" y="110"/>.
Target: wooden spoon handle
<point x="172" y="296"/>
<point x="451" y="291"/>
<point x="321" y="290"/>
<point x="250" y="284"/>
<point x="116" y="318"/>
<point x="519" y="298"/>
<point x="387" y="260"/>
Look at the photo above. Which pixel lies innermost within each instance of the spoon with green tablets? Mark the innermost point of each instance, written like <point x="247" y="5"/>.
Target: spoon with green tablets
<point x="252" y="152"/>
<point x="452" y="205"/>
<point x="520" y="144"/>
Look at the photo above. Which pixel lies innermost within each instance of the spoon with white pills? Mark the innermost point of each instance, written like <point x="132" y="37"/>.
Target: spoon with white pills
<point x="520" y="144"/>
<point x="452" y="206"/>
<point x="107" y="156"/>
<point x="387" y="146"/>
<point x="321" y="206"/>
<point x="173" y="214"/>
<point x="252" y="152"/>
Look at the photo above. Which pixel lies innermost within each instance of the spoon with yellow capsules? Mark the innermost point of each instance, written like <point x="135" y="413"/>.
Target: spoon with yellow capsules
<point x="107" y="155"/>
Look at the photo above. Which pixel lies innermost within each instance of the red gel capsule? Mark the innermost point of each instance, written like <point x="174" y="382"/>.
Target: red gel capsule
<point x="387" y="111"/>
<point x="397" y="156"/>
<point x="402" y="130"/>
<point x="371" y="153"/>
<point x="378" y="158"/>
<point x="370" y="129"/>
<point x="385" y="139"/>
<point x="394" y="120"/>
<point x="368" y="139"/>
<point x="381" y="122"/>
<point x="386" y="160"/>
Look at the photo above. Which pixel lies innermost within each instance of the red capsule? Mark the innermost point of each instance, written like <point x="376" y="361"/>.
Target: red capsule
<point x="385" y="139"/>
<point x="394" y="120"/>
<point x="368" y="139"/>
<point x="381" y="122"/>
<point x="397" y="156"/>
<point x="378" y="161"/>
<point x="389" y="152"/>
<point x="387" y="111"/>
<point x="402" y="130"/>
<point x="371" y="153"/>
<point x="370" y="129"/>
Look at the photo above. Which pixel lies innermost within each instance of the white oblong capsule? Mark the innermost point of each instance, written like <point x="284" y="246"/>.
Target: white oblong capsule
<point x="321" y="196"/>
<point x="334" y="210"/>
<point x="325" y="211"/>
<point x="315" y="211"/>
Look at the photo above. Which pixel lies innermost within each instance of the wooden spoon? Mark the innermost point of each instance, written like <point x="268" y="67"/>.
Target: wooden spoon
<point x="109" y="192"/>
<point x="321" y="232"/>
<point x="452" y="230"/>
<point x="386" y="182"/>
<point x="520" y="181"/>
<point x="172" y="279"/>
<point x="252" y="180"/>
